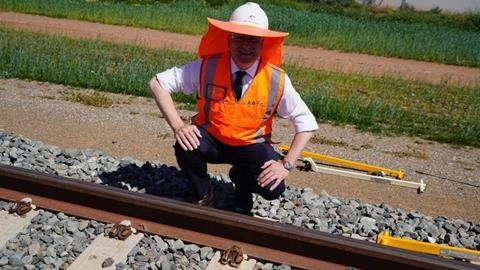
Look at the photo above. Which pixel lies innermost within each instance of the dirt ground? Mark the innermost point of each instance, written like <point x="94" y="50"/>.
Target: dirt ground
<point x="309" y="57"/>
<point x="133" y="127"/>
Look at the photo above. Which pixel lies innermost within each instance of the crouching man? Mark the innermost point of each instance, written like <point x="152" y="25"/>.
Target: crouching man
<point x="239" y="87"/>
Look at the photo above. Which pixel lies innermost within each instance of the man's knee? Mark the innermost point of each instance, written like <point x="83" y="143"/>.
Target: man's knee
<point x="179" y="152"/>
<point x="237" y="176"/>
<point x="241" y="180"/>
<point x="178" y="149"/>
<point x="268" y="194"/>
<point x="185" y="156"/>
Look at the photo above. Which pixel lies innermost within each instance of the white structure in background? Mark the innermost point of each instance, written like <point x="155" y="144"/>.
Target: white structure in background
<point x="445" y="5"/>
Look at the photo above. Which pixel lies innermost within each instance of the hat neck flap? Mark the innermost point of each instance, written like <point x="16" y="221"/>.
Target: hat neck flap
<point x="215" y="41"/>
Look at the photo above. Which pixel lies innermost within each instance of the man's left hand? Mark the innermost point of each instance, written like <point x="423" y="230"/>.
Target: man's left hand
<point x="272" y="171"/>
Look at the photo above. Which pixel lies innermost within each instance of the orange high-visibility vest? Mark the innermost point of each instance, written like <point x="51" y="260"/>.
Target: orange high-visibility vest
<point x="242" y="122"/>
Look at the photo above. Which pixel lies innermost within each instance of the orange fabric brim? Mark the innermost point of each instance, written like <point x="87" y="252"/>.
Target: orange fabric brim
<point x="216" y="41"/>
<point x="246" y="29"/>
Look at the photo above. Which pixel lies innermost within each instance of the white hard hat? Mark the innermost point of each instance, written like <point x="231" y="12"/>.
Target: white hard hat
<point x="247" y="19"/>
<point x="250" y="14"/>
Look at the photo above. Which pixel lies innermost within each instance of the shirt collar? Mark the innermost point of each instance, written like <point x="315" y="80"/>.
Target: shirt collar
<point x="250" y="71"/>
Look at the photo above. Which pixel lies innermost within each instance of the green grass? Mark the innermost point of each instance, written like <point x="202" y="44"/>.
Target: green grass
<point x="469" y="21"/>
<point x="383" y="105"/>
<point x="86" y="64"/>
<point x="404" y="36"/>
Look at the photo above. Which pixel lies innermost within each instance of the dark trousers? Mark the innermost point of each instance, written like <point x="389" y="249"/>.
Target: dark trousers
<point x="246" y="160"/>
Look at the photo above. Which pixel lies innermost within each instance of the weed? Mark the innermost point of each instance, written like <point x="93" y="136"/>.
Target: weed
<point x="366" y="146"/>
<point x="95" y="99"/>
<point x="456" y="146"/>
<point x="410" y="153"/>
<point x="155" y="114"/>
<point x="122" y="100"/>
<point x="185" y="117"/>
<point x="187" y="106"/>
<point x="48" y="97"/>
<point x="322" y="140"/>
<point x="463" y="162"/>
<point x="133" y="113"/>
<point x="164" y="135"/>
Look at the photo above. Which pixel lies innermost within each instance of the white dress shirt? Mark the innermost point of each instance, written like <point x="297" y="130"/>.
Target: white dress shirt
<point x="186" y="79"/>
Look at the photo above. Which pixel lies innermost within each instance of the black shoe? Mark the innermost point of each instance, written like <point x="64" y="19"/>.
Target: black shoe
<point x="207" y="200"/>
<point x="243" y="197"/>
<point x="242" y="211"/>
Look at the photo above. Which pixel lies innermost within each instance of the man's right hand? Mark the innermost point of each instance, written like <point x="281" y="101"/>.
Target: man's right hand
<point x="187" y="136"/>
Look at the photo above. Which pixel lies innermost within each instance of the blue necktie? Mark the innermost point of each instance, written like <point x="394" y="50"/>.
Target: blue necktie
<point x="238" y="84"/>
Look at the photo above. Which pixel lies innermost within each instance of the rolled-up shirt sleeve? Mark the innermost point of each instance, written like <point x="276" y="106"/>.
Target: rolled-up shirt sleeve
<point x="184" y="79"/>
<point x="292" y="107"/>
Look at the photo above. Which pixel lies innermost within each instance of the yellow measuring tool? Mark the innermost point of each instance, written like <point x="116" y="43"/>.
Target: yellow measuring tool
<point x="374" y="173"/>
<point x="349" y="164"/>
<point x="429" y="248"/>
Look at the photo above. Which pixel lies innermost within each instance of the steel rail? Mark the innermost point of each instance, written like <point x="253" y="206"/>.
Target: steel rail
<point x="259" y="238"/>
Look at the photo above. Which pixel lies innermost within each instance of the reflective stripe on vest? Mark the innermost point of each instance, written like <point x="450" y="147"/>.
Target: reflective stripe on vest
<point x="272" y="97"/>
<point x="242" y="122"/>
<point x="209" y="76"/>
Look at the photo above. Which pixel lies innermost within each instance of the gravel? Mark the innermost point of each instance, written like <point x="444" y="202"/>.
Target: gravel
<point x="45" y="246"/>
<point x="298" y="206"/>
<point x="47" y="243"/>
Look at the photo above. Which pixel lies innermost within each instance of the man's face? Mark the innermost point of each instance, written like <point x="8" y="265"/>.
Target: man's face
<point x="244" y="49"/>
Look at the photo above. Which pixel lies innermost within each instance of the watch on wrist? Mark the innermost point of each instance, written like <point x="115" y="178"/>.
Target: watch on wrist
<point x="287" y="165"/>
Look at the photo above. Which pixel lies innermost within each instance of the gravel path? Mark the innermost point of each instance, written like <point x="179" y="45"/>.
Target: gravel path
<point x="132" y="127"/>
<point x="312" y="57"/>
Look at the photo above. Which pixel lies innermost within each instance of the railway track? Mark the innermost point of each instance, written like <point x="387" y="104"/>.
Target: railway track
<point x="259" y="238"/>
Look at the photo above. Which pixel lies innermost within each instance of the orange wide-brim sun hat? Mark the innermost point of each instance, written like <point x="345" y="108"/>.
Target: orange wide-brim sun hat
<point x="246" y="29"/>
<point x="248" y="19"/>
